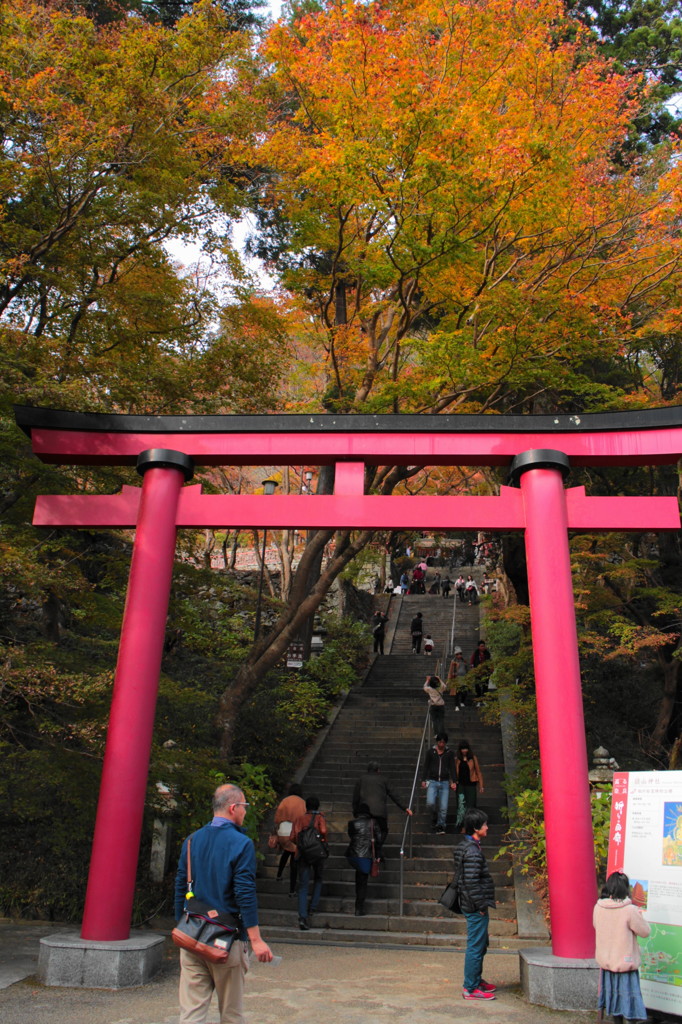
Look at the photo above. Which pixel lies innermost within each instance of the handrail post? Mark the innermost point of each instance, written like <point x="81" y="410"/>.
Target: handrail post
<point x="408" y="823"/>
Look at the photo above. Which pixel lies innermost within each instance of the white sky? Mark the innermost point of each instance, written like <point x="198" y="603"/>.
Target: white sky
<point x="189" y="253"/>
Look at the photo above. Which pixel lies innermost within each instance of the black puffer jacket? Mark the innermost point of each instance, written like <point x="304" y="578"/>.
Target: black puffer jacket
<point x="360" y="832"/>
<point x="475" y="883"/>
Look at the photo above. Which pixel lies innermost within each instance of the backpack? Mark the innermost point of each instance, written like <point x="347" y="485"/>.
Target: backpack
<point x="311" y="846"/>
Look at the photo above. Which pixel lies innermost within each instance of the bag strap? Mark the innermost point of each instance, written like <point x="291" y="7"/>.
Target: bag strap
<point x="189" y="864"/>
<point x="371" y="828"/>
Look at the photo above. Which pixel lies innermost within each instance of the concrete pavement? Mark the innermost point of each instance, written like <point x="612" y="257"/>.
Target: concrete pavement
<point x="313" y="985"/>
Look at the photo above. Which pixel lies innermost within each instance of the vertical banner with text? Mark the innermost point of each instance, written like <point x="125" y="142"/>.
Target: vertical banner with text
<point x="645" y="841"/>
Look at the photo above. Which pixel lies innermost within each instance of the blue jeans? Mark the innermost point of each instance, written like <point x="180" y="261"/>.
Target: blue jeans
<point x="477" y="943"/>
<point x="304" y="873"/>
<point x="438" y="792"/>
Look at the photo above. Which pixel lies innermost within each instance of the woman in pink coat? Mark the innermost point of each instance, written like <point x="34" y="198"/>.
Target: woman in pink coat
<point x="618" y="922"/>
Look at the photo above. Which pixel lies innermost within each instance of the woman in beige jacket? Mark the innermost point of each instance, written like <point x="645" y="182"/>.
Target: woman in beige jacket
<point x="617" y="923"/>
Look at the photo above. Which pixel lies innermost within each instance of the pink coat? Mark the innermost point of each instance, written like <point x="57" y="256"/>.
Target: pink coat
<point x="617" y="924"/>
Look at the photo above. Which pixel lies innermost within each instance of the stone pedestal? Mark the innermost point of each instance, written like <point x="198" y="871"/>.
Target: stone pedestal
<point x="66" y="959"/>
<point x="558" y="982"/>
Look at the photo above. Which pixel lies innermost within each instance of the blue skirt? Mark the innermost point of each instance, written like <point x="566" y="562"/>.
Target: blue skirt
<point x="620" y="995"/>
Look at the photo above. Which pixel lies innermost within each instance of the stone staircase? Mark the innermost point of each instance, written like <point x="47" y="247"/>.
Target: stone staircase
<point x="383" y="720"/>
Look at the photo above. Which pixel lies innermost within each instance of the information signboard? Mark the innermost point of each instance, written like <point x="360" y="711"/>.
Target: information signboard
<point x="645" y="842"/>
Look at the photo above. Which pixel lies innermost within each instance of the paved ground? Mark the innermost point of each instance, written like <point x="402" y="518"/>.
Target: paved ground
<point x="312" y="985"/>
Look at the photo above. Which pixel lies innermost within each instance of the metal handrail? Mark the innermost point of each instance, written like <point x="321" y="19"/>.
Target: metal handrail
<point x="407" y="830"/>
<point x="452" y="628"/>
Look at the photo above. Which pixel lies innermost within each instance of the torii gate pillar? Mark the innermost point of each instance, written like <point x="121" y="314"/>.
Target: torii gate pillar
<point x="118" y="826"/>
<point x="561" y="728"/>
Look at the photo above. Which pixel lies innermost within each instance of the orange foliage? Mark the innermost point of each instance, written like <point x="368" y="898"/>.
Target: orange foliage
<point x="451" y="167"/>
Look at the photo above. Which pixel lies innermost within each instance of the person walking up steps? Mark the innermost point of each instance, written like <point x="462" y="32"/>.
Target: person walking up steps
<point x="310" y="835"/>
<point x="373" y="790"/>
<point x="291" y="808"/>
<point x="366" y="840"/>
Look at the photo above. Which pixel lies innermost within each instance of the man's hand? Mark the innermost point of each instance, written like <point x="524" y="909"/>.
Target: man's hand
<point x="453" y="785"/>
<point x="259" y="947"/>
<point x="409" y="812"/>
<point x="261" y="951"/>
<point x="424" y="784"/>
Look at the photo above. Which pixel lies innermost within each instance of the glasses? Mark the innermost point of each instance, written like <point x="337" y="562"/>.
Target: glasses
<point x="241" y="803"/>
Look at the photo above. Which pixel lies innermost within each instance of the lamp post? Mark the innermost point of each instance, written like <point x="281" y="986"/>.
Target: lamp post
<point x="268" y="488"/>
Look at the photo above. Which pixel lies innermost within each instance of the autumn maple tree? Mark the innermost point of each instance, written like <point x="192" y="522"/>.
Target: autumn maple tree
<point x="116" y="139"/>
<point x="445" y="204"/>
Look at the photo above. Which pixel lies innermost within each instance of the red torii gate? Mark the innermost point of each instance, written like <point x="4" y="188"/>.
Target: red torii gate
<point x="539" y="451"/>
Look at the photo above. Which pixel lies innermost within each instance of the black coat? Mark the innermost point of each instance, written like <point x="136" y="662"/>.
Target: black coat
<point x="360" y="832"/>
<point x="474" y="880"/>
<point x="373" y="789"/>
<point x="439" y="767"/>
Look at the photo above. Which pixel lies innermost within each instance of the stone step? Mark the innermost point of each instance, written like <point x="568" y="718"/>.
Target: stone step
<point x="337" y="893"/>
<point x="418" y="939"/>
<point x="340" y="880"/>
<point x="392" y="923"/>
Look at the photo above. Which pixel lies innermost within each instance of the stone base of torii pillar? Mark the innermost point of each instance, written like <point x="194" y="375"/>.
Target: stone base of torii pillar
<point x="562" y="983"/>
<point x="68" y="960"/>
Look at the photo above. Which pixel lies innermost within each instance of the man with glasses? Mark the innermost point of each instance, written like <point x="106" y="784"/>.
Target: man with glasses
<point x="223" y="865"/>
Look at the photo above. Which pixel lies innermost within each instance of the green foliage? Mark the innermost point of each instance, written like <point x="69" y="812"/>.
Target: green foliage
<point x="295" y="704"/>
<point x="526" y="838"/>
<point x="54" y="704"/>
<point x="641" y="35"/>
<point x="509" y="641"/>
<point x="343" y="656"/>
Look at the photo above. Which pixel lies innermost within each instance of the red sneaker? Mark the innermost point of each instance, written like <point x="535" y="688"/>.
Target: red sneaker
<point x="485" y="986"/>
<point x="477" y="994"/>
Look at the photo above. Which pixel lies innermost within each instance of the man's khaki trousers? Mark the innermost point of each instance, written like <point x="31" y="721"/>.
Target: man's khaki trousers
<point x="199" y="979"/>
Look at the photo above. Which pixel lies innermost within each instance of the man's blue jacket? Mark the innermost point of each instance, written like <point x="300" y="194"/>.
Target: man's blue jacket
<point x="223" y="862"/>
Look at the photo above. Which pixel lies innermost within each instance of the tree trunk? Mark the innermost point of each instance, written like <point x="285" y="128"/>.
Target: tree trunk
<point x="262" y="563"/>
<point x="671" y="671"/>
<point x="303" y="603"/>
<point x="267" y="652"/>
